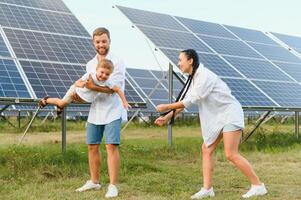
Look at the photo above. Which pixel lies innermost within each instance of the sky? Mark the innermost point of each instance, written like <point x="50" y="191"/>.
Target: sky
<point x="137" y="52"/>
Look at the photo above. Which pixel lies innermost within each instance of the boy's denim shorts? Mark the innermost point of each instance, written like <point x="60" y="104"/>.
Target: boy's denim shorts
<point x="110" y="131"/>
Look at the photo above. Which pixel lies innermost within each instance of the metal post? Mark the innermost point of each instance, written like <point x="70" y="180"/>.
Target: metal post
<point x="297" y="124"/>
<point x="64" y="130"/>
<point x="170" y="89"/>
<point x="19" y="119"/>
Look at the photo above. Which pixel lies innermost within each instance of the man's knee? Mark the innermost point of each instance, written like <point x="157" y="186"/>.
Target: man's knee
<point x="93" y="148"/>
<point x="111" y="148"/>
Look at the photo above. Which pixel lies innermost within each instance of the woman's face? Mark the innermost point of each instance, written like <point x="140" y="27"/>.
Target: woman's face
<point x="184" y="63"/>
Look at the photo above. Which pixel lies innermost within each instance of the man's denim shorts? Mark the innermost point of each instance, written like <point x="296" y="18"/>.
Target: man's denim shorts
<point x="110" y="131"/>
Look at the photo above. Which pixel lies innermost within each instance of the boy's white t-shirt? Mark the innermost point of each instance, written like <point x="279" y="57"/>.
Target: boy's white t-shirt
<point x="89" y="95"/>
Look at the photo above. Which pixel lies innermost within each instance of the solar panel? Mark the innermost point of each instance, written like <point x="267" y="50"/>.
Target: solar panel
<point x="50" y="47"/>
<point x="54" y="5"/>
<point x="206" y="28"/>
<point x="3" y="49"/>
<point x="275" y="53"/>
<point x="247" y="94"/>
<point x="251" y="67"/>
<point x="294" y="70"/>
<point x="40" y="20"/>
<point x="174" y="39"/>
<point x="292" y="41"/>
<point x="251" y="35"/>
<point x="230" y="47"/>
<point x="131" y="94"/>
<point x="285" y="94"/>
<point x="11" y="82"/>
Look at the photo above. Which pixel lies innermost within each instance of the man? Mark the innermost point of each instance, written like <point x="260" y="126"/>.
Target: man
<point x="104" y="116"/>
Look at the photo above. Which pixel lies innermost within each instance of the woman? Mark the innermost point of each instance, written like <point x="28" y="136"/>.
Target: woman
<point x="221" y="116"/>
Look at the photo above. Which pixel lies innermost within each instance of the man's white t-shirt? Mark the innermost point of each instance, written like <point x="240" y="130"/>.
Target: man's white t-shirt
<point x="108" y="107"/>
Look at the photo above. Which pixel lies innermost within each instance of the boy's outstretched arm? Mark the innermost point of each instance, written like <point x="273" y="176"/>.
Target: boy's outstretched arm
<point x="117" y="89"/>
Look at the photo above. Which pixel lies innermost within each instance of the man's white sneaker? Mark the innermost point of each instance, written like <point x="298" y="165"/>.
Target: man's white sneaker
<point x="256" y="190"/>
<point x="112" y="191"/>
<point x="203" y="193"/>
<point x="89" y="185"/>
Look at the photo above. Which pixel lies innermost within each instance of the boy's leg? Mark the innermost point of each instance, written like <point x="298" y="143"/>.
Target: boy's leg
<point x="56" y="101"/>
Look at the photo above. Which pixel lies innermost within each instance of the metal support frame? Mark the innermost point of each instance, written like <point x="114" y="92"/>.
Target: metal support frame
<point x="297" y="124"/>
<point x="259" y="122"/>
<point x="64" y="138"/>
<point x="170" y="89"/>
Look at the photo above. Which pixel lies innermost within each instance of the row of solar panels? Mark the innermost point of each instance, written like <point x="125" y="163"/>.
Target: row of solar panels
<point x="258" y="68"/>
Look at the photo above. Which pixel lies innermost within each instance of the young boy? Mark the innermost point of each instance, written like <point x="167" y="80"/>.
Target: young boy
<point x="103" y="71"/>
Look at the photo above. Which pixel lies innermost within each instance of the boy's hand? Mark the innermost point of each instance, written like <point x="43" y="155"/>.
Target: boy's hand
<point x="127" y="106"/>
<point x="81" y="84"/>
<point x="90" y="83"/>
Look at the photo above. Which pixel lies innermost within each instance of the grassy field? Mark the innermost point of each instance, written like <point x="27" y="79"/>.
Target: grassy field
<point x="149" y="169"/>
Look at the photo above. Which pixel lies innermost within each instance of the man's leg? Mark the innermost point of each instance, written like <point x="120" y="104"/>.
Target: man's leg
<point x="113" y="162"/>
<point x="94" y="161"/>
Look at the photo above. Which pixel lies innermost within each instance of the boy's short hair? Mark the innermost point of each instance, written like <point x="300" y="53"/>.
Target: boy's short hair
<point x="105" y="63"/>
<point x="101" y="30"/>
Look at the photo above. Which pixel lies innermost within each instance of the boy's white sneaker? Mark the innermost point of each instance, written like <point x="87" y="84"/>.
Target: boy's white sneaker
<point x="89" y="185"/>
<point x="203" y="193"/>
<point x="256" y="190"/>
<point x="112" y="191"/>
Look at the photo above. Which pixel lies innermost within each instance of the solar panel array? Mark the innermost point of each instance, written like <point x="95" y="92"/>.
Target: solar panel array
<point x="259" y="71"/>
<point x="48" y="50"/>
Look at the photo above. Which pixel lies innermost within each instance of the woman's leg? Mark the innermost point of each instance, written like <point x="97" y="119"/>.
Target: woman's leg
<point x="231" y="143"/>
<point x="208" y="162"/>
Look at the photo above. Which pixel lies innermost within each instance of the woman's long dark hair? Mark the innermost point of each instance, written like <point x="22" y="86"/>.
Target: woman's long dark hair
<point x="190" y="54"/>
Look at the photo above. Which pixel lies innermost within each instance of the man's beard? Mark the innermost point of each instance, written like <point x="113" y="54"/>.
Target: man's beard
<point x="103" y="51"/>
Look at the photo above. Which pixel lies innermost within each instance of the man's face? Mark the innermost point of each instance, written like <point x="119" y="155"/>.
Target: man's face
<point x="101" y="44"/>
<point x="103" y="74"/>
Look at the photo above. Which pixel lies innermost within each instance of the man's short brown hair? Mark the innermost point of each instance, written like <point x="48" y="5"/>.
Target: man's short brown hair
<point x="101" y="30"/>
<point x="105" y="63"/>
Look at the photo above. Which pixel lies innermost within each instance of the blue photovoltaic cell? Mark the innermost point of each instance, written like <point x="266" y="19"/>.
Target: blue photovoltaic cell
<point x="11" y="82"/>
<point x="210" y="61"/>
<point x="251" y="35"/>
<point x="173" y="39"/>
<point x="230" y="47"/>
<point x="148" y="18"/>
<point x="42" y="46"/>
<point x="292" y="41"/>
<point x="51" y="78"/>
<point x="41" y="20"/>
<point x="294" y="70"/>
<point x="206" y="28"/>
<point x="247" y="94"/>
<point x="3" y="49"/>
<point x="54" y="5"/>
<point x="285" y="94"/>
<point x="257" y="69"/>
<point x="276" y="53"/>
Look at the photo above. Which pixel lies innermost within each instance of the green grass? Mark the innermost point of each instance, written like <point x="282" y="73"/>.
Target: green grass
<point x="149" y="168"/>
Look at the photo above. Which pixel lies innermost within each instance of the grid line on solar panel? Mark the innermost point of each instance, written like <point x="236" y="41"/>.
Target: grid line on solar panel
<point x="206" y="28"/>
<point x="292" y="41"/>
<point x="251" y="35"/>
<point x="275" y="53"/>
<point x="11" y="82"/>
<point x="131" y="94"/>
<point x="247" y="94"/>
<point x="51" y="79"/>
<point x="173" y="39"/>
<point x="42" y="46"/>
<point x="294" y="70"/>
<point x="285" y="94"/>
<point x="210" y="61"/>
<point x="55" y="5"/>
<point x="27" y="18"/>
<point x="257" y="69"/>
<point x="229" y="47"/>
<point x="3" y="48"/>
<point x="151" y="19"/>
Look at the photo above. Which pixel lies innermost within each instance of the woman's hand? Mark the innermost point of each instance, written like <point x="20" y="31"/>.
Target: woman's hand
<point x="162" y="107"/>
<point x="160" y="121"/>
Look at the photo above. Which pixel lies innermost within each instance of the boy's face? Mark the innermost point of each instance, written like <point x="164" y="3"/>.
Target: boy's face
<point x="103" y="74"/>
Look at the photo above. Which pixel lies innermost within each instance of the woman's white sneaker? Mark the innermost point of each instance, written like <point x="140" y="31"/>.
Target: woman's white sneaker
<point x="256" y="190"/>
<point x="112" y="191"/>
<point x="203" y="193"/>
<point x="89" y="185"/>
